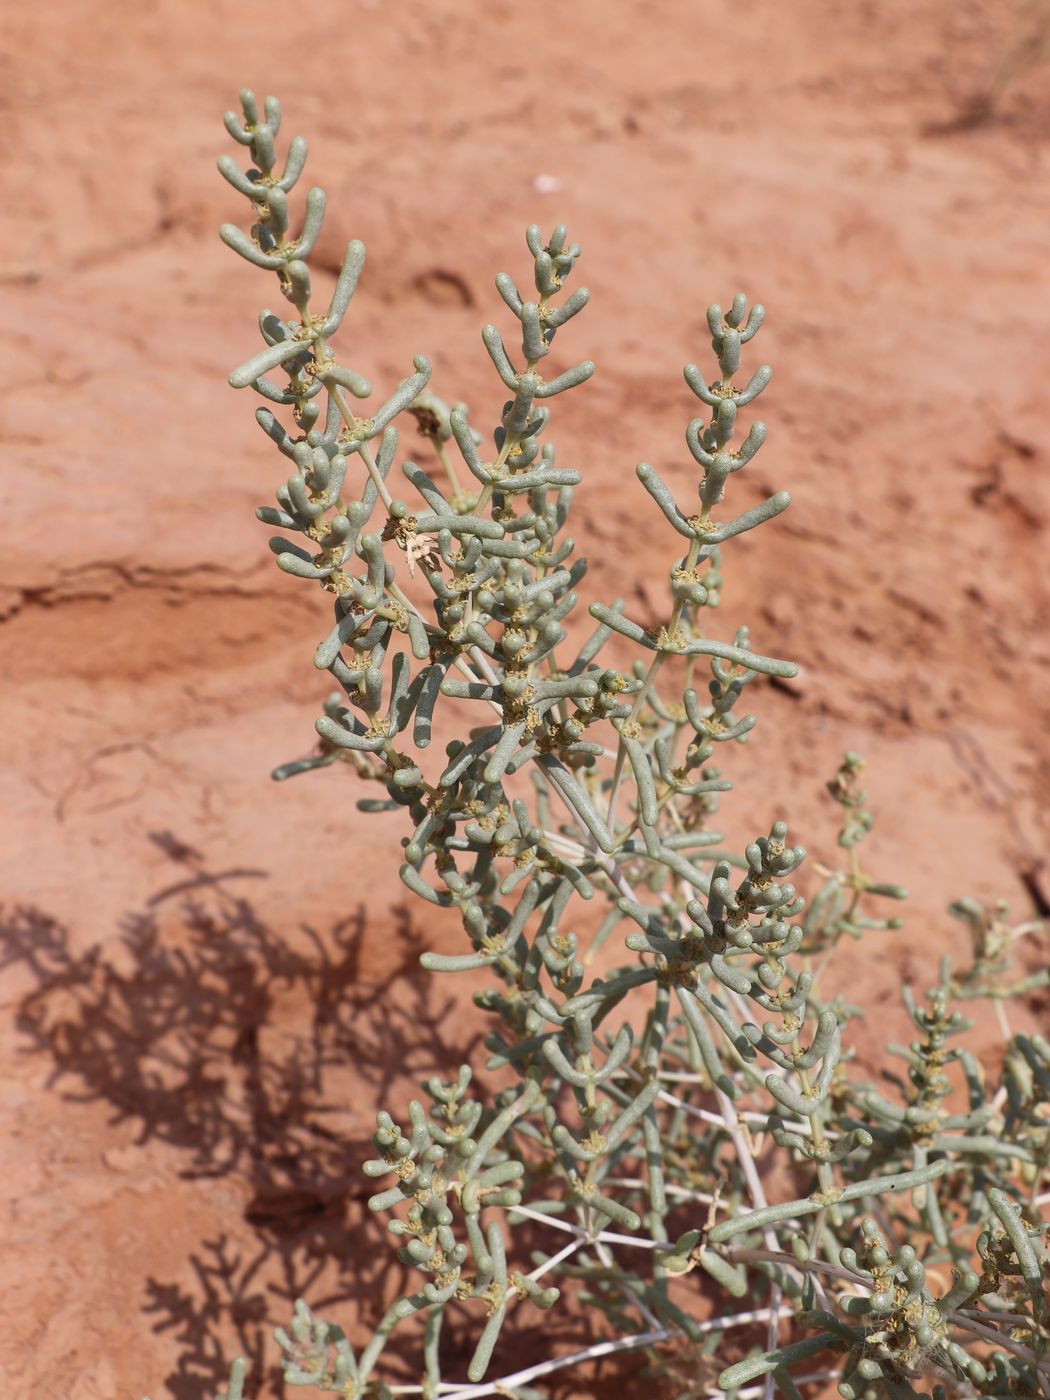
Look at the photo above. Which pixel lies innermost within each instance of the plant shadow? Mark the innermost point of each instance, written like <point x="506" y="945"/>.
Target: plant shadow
<point x="244" y="1047"/>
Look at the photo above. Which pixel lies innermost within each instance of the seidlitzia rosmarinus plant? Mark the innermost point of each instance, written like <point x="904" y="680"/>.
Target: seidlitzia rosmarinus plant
<point x="640" y="1095"/>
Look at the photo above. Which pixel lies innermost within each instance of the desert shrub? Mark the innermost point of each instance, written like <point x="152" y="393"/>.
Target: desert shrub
<point x="648" y="1066"/>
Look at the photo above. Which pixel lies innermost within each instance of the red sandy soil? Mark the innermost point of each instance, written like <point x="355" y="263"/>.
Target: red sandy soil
<point x="197" y="1021"/>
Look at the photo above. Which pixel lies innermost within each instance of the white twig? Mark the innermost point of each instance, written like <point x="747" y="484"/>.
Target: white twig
<point x="750" y="1393"/>
<point x="595" y="1353"/>
<point x="702" y="1197"/>
<point x="608" y="1237"/>
<point x="545" y="1219"/>
<point x="486" y="668"/>
<point x="1001" y="1339"/>
<point x="544" y="1368"/>
<point x="758" y="1200"/>
<point x="556" y="1259"/>
<point x="704" y="1114"/>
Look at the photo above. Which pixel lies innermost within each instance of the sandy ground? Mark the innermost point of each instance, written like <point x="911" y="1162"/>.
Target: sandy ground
<point x="197" y="1025"/>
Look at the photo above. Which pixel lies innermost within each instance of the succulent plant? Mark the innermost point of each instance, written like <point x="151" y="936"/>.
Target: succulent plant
<point x="638" y="1098"/>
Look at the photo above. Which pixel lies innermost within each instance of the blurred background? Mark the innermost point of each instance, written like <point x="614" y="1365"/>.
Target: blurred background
<point x="210" y="980"/>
